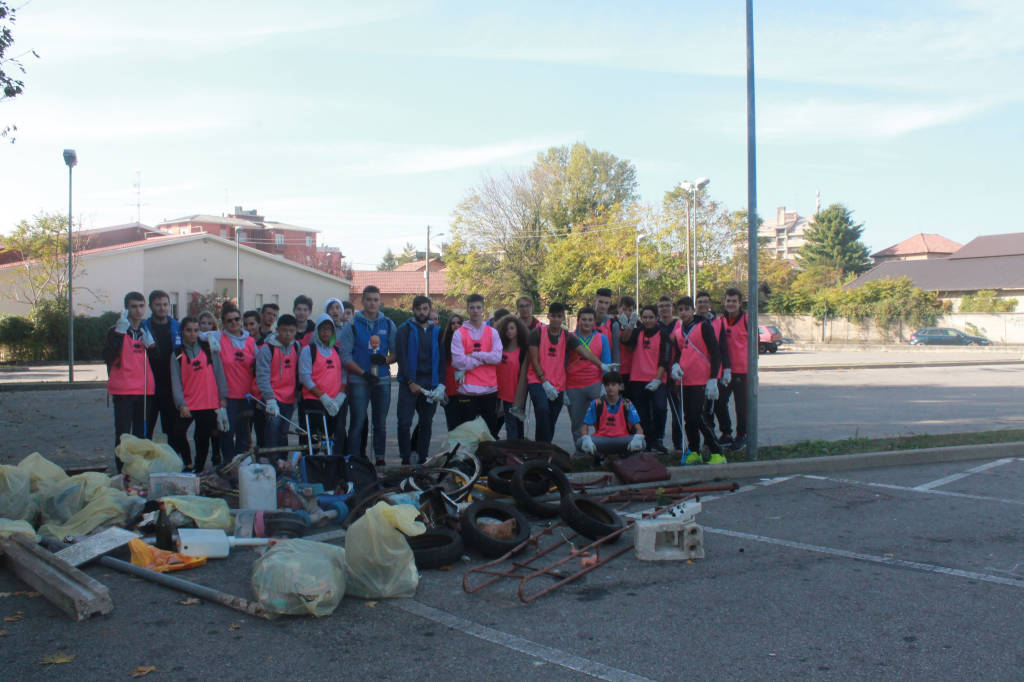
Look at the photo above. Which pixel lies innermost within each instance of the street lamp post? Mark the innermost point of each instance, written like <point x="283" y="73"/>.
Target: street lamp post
<point x="638" y="238"/>
<point x="752" y="333"/>
<point x="426" y="261"/>
<point x="692" y="188"/>
<point x="71" y="159"/>
<point x="238" y="290"/>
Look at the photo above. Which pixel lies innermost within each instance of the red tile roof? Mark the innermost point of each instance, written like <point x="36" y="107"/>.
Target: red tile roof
<point x="399" y="282"/>
<point x="918" y="244"/>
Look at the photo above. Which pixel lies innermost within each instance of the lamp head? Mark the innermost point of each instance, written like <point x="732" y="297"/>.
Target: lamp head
<point x="702" y="183"/>
<point x="70" y="158"/>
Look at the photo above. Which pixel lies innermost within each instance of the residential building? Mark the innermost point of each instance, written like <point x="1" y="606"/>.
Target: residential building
<point x="991" y="262"/>
<point x="784" y="233"/>
<point x="918" y="247"/>
<point x="186" y="266"/>
<point x="399" y="286"/>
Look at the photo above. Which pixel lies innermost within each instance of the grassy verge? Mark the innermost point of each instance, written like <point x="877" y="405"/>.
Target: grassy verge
<point x="826" y="448"/>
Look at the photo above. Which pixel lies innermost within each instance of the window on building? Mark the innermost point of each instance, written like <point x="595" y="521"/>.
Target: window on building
<point x="242" y="236"/>
<point x="309" y="242"/>
<point x="279" y="239"/>
<point x="274" y="298"/>
<point x="259" y="301"/>
<point x="223" y="233"/>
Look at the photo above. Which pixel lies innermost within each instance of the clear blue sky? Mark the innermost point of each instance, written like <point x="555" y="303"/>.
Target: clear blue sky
<point x="369" y="120"/>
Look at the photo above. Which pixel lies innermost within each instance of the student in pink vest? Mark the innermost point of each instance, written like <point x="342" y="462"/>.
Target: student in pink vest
<point x="583" y="379"/>
<point x="546" y="376"/>
<point x="238" y="356"/>
<point x="129" y="353"/>
<point x="476" y="354"/>
<point x="607" y="324"/>
<point x="628" y="321"/>
<point x="277" y="375"/>
<point x="734" y="377"/>
<point x="322" y="375"/>
<point x="512" y="373"/>
<point x="611" y="425"/>
<point x="199" y="389"/>
<point x="652" y="356"/>
<point x="697" y="361"/>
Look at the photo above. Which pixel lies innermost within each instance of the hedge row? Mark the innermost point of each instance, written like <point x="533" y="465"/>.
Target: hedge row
<point x="43" y="335"/>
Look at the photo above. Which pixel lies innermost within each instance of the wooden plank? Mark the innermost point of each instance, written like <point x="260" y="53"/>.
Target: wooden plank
<point x="96" y="545"/>
<point x="66" y="587"/>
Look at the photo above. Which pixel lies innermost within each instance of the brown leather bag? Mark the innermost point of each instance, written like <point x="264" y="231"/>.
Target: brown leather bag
<point x="643" y="468"/>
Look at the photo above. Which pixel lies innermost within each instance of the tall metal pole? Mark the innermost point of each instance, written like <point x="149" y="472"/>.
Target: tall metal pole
<point x="238" y="290"/>
<point x="752" y="333"/>
<point x="693" y="209"/>
<point x="637" y="267"/>
<point x="426" y="262"/>
<point x="71" y="308"/>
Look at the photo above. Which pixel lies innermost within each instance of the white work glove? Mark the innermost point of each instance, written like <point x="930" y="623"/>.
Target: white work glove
<point x="726" y="377"/>
<point x="272" y="409"/>
<point x="627" y="321"/>
<point x="652" y="385"/>
<point x="460" y="376"/>
<point x="213" y="338"/>
<point x="439" y="392"/>
<point x="123" y="324"/>
<point x="637" y="443"/>
<point x="328" y="404"/>
<point x="677" y="372"/>
<point x="565" y="399"/>
<point x="711" y="390"/>
<point x="549" y="390"/>
<point x="609" y="367"/>
<point x="338" y="401"/>
<point x="147" y="339"/>
<point x="517" y="412"/>
<point x="223" y="425"/>
<point x="587" y="445"/>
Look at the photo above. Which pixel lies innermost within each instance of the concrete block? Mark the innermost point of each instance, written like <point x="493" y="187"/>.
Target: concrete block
<point x="668" y="539"/>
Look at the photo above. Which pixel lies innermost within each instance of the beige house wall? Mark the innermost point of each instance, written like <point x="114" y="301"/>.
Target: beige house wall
<point x="1000" y="328"/>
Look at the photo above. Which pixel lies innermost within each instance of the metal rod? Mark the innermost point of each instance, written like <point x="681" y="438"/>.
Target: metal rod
<point x="752" y="334"/>
<point x="71" y="307"/>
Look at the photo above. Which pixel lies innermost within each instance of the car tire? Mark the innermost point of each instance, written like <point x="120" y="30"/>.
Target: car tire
<point x="590" y="518"/>
<point x="773" y="347"/>
<point x="551" y="475"/>
<point x="499" y="479"/>
<point x="762" y="348"/>
<point x="436" y="547"/>
<point x="492" y="547"/>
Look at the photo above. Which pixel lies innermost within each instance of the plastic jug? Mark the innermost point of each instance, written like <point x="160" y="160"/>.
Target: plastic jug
<point x="257" y="486"/>
<point x="212" y="542"/>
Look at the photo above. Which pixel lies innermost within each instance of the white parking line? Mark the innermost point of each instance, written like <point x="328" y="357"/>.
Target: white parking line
<point x="846" y="554"/>
<point x="524" y="646"/>
<point x="889" y="486"/>
<point x="956" y="477"/>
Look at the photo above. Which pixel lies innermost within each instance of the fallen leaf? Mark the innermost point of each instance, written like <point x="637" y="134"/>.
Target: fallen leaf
<point x="371" y="604"/>
<point x="57" y="658"/>
<point x="13" y="619"/>
<point x="232" y="628"/>
<point x="143" y="670"/>
<point x="23" y="593"/>
<point x="191" y="601"/>
<point x="3" y="633"/>
<point x="690" y="561"/>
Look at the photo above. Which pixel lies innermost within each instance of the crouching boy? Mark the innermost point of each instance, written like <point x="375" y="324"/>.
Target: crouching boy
<point x="611" y="425"/>
<point x="277" y="367"/>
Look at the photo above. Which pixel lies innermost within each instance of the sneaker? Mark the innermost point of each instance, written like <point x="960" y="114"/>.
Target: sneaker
<point x="739" y="443"/>
<point x="658" y="447"/>
<point x="692" y="458"/>
<point x="718" y="458"/>
<point x="725" y="440"/>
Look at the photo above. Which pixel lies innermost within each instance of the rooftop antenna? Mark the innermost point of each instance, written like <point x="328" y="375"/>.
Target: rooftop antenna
<point x="138" y="196"/>
<point x="817" y="203"/>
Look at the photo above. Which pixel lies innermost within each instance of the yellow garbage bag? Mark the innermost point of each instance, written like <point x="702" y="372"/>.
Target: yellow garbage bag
<point x="143" y="457"/>
<point x="380" y="561"/>
<point x="9" y="527"/>
<point x="108" y="507"/>
<point x="160" y="560"/>
<point x="16" y="501"/>
<point x="61" y="500"/>
<point x="299" y="577"/>
<point x="207" y="512"/>
<point x="41" y="471"/>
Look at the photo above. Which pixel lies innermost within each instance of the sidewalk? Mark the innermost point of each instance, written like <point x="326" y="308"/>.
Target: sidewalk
<point x="84" y="372"/>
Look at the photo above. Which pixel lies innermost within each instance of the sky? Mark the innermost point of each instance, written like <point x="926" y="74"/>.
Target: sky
<point x="370" y="121"/>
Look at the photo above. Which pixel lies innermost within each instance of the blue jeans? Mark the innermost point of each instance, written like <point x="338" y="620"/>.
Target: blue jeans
<point x="361" y="397"/>
<point x="546" y="412"/>
<point x="237" y="439"/>
<point x="275" y="432"/>
<point x="513" y="427"/>
<point x="408" y="405"/>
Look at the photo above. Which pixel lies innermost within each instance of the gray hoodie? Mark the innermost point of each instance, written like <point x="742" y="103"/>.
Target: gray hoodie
<point x="316" y="346"/>
<point x="191" y="351"/>
<point x="264" y="360"/>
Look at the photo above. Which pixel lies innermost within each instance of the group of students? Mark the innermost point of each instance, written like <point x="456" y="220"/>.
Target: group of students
<point x="619" y="374"/>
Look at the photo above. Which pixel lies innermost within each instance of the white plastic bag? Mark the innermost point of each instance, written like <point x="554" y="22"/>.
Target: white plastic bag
<point x="380" y="561"/>
<point x="299" y="577"/>
<point x="144" y="457"/>
<point x="468" y="435"/>
<point x="41" y="471"/>
<point x="16" y="501"/>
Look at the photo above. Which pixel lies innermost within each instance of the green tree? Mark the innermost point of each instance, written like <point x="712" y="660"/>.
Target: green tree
<point x="987" y="301"/>
<point x="389" y="262"/>
<point x="42" y="248"/>
<point x="408" y="254"/>
<point x="12" y="85"/>
<point x="833" y="240"/>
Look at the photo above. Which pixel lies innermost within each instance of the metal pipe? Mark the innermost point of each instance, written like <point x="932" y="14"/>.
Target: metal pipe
<point x="752" y="334"/>
<point x="71" y="307"/>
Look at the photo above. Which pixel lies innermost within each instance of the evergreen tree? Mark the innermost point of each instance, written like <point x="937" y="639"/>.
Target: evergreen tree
<point x="833" y="241"/>
<point x="389" y="262"/>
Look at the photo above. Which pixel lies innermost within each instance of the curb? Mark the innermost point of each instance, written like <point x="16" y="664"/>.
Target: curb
<point x="811" y="465"/>
<point x="15" y="387"/>
<point x="886" y="365"/>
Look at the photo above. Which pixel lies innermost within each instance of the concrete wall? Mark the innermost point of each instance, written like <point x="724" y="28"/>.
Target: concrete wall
<point x="1006" y="328"/>
<point x="183" y="267"/>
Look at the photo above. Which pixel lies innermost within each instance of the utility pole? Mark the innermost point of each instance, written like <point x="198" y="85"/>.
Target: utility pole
<point x="752" y="333"/>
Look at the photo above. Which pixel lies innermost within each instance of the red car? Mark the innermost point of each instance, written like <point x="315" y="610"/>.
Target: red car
<point x="768" y="339"/>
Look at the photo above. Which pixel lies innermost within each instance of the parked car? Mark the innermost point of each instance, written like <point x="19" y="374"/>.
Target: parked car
<point x="768" y="339"/>
<point x="946" y="336"/>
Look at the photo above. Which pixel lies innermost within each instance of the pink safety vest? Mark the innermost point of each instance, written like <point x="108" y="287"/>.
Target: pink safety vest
<point x="238" y="366"/>
<point x="736" y="343"/>
<point x="131" y="374"/>
<point x="581" y="372"/>
<point x="327" y="373"/>
<point x="552" y="359"/>
<point x="484" y="375"/>
<point x="284" y="369"/>
<point x="508" y="375"/>
<point x="198" y="382"/>
<point x="625" y="358"/>
<point x="610" y="425"/>
<point x="694" y="357"/>
<point x="645" y="357"/>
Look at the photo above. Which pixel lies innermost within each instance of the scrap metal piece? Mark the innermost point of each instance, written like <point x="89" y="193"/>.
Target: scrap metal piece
<point x="96" y="545"/>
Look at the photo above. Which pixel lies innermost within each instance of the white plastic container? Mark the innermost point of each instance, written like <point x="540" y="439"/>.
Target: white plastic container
<point x="257" y="487"/>
<point x="212" y="542"/>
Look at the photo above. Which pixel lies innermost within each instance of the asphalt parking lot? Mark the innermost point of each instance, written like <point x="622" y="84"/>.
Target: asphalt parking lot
<point x="901" y="572"/>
